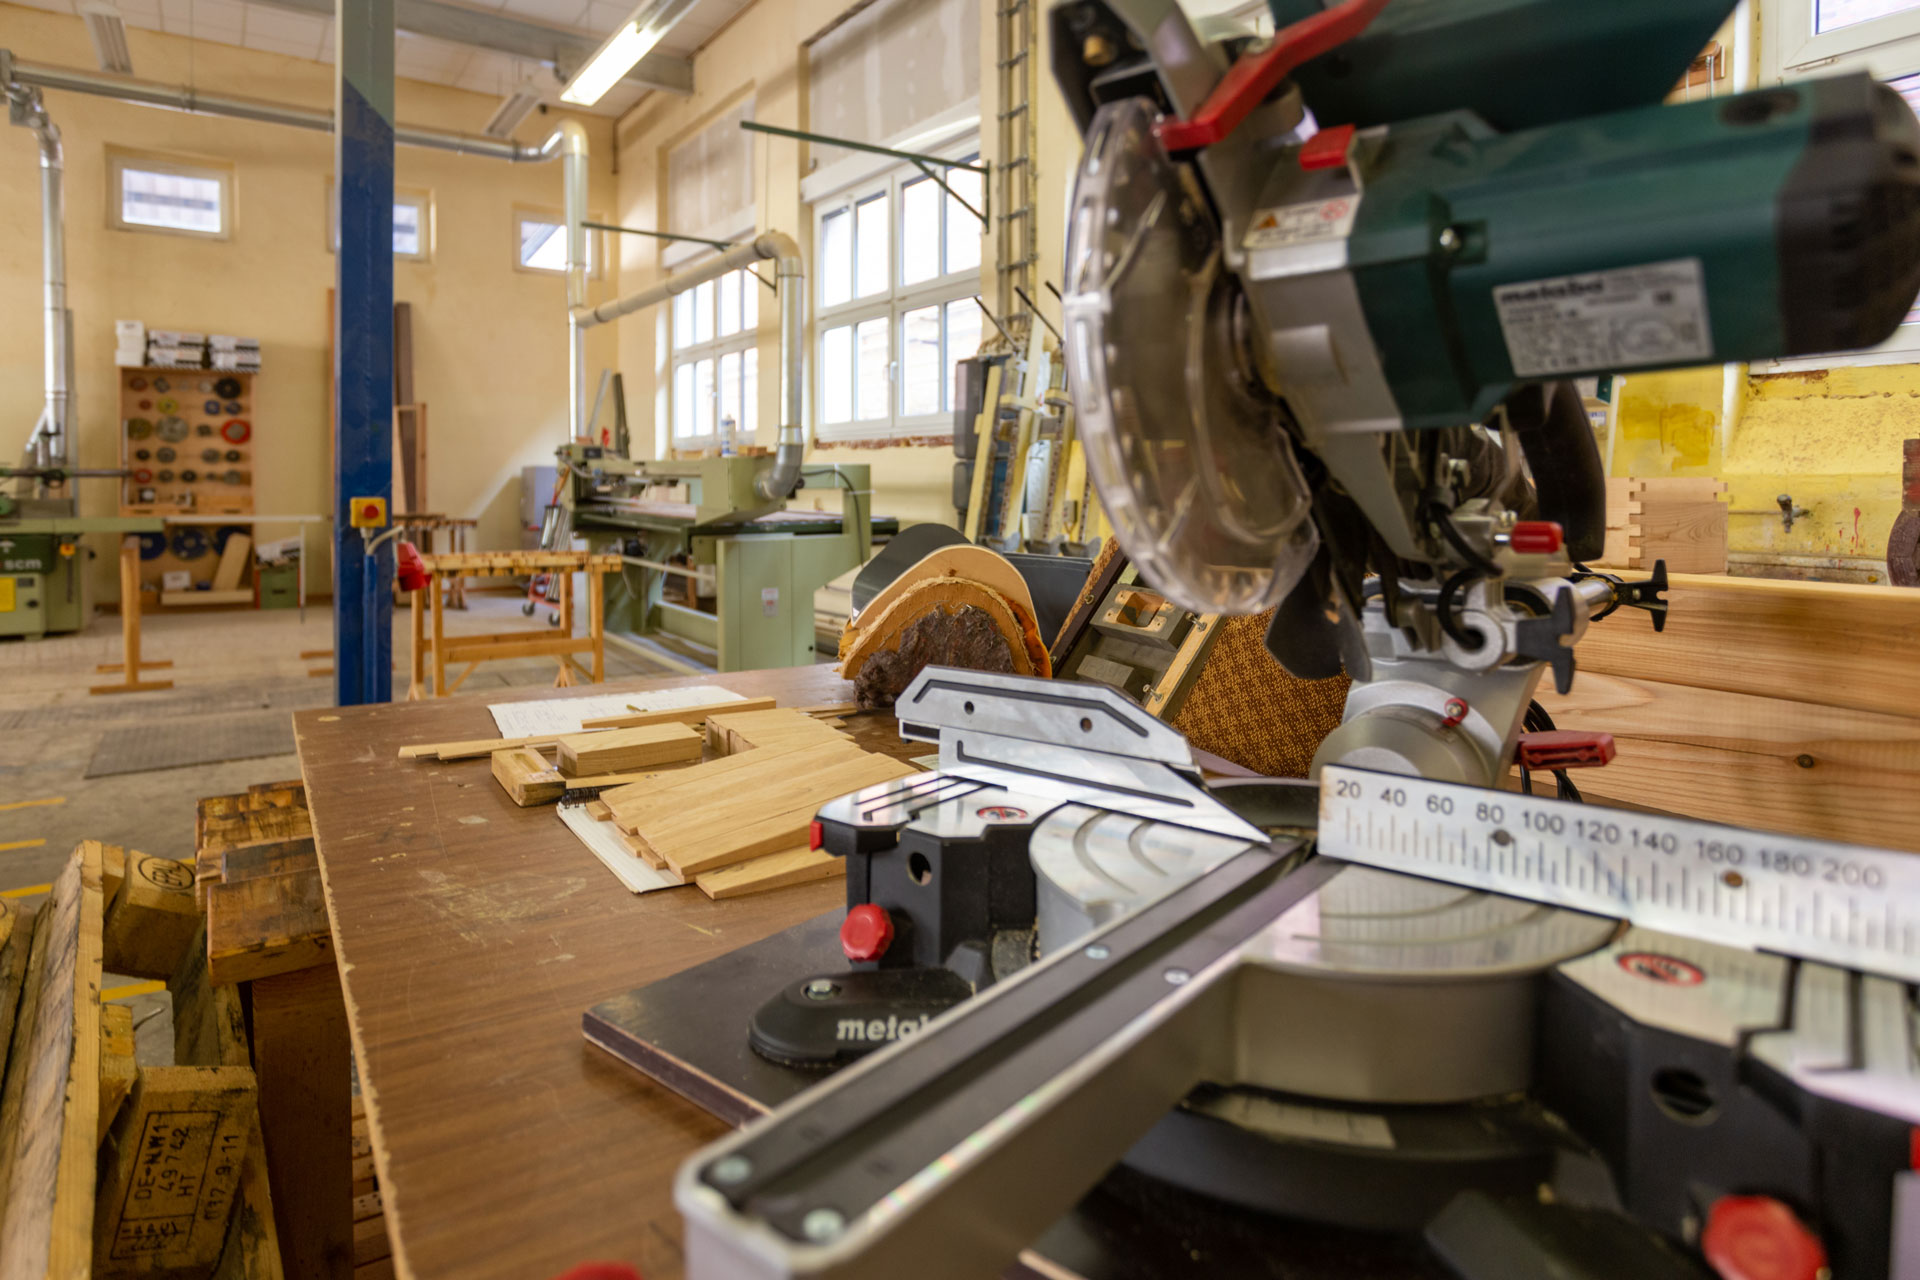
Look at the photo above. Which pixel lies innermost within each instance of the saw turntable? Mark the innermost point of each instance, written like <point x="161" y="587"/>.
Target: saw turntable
<point x="1091" y="1015"/>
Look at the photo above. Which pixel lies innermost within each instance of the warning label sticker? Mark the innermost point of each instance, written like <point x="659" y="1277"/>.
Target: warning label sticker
<point x="1306" y="223"/>
<point x="1622" y="319"/>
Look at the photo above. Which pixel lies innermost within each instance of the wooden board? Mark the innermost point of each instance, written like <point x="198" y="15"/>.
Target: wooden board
<point x="266" y="926"/>
<point x="1768" y="763"/>
<point x="233" y="562"/>
<point x="774" y="871"/>
<point x="1833" y="644"/>
<point x="474" y="748"/>
<point x="153" y="918"/>
<point x="627" y="750"/>
<point x="1690" y="536"/>
<point x="512" y="1109"/>
<point x="21" y="919"/>
<point x="252" y="1251"/>
<point x="117" y="1069"/>
<point x="47" y="1228"/>
<point x="677" y="715"/>
<point x="171" y="1172"/>
<point x="732" y="733"/>
<point x="526" y="775"/>
<point x="664" y="796"/>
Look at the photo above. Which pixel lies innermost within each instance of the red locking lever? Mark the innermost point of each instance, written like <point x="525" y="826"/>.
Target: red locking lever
<point x="1249" y="81"/>
<point x="1564" y="749"/>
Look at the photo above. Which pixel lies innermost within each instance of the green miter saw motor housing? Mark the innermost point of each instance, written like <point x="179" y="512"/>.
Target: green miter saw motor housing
<point x="1426" y="205"/>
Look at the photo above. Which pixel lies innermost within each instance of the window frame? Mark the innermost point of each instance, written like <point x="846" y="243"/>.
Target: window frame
<point x="894" y="303"/>
<point x="120" y="159"/>
<point x="741" y="341"/>
<point x="422" y="197"/>
<point x="1889" y="50"/>
<point x="596" y="243"/>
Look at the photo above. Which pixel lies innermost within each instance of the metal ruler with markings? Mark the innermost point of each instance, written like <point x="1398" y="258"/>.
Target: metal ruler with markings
<point x="1813" y="899"/>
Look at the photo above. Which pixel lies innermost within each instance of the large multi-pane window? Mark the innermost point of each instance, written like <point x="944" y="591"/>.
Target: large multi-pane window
<point x="156" y="193"/>
<point x="896" y="273"/>
<point x="715" y="363"/>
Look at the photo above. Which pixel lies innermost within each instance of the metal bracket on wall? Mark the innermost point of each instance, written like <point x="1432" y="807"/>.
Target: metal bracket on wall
<point x="932" y="166"/>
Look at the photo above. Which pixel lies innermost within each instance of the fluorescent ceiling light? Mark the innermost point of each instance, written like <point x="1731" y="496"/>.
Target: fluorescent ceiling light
<point x="109" y="36"/>
<point x="609" y="64"/>
<point x="513" y="108"/>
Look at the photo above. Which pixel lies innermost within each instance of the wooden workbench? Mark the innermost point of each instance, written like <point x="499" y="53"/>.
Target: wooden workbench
<point x="471" y="935"/>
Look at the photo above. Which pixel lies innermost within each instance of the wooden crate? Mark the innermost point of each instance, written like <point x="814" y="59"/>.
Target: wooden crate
<point x="1680" y="520"/>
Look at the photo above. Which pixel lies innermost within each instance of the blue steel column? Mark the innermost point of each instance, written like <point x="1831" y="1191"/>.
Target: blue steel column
<point x="363" y="344"/>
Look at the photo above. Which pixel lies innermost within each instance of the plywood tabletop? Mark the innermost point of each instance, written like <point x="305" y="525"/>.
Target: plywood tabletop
<point x="471" y="935"/>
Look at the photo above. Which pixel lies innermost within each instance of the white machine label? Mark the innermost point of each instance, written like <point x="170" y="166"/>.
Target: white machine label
<point x="770" y="601"/>
<point x="1842" y="904"/>
<point x="1634" y="316"/>
<point x="1307" y="223"/>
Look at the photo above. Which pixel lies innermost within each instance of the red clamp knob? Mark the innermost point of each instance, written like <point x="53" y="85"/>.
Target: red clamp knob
<point x="1249" y="81"/>
<point x="1564" y="749"/>
<point x="1327" y="149"/>
<point x="1536" y="538"/>
<point x="1758" y="1238"/>
<point x="867" y="932"/>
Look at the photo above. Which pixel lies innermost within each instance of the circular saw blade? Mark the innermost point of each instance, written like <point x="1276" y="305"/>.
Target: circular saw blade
<point x="1189" y="452"/>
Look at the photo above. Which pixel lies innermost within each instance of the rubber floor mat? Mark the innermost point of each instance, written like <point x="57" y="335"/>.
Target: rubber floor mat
<point x="173" y="706"/>
<point x="179" y="744"/>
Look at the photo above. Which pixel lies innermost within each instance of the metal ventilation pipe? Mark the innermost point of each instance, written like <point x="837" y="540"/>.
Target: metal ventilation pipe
<point x="778" y="482"/>
<point x="49" y="443"/>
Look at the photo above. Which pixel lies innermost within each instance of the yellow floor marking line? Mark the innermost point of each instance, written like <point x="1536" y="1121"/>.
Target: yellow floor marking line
<point x="27" y="892"/>
<point x="21" y="844"/>
<point x="28" y="804"/>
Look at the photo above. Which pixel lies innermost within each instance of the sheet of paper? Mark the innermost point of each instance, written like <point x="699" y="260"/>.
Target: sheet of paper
<point x="563" y="715"/>
<point x="604" y="842"/>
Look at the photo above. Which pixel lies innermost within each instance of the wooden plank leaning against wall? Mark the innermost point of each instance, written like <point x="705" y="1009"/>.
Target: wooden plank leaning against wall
<point x="1790" y="706"/>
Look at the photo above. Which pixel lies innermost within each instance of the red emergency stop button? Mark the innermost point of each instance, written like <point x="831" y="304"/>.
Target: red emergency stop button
<point x="1536" y="538"/>
<point x="1758" y="1238"/>
<point x="867" y="932"/>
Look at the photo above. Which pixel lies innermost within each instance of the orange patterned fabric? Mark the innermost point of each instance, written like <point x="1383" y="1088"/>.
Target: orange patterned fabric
<point x="1245" y="707"/>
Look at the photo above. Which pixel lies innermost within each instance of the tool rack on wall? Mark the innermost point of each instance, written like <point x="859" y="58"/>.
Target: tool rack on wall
<point x="186" y="440"/>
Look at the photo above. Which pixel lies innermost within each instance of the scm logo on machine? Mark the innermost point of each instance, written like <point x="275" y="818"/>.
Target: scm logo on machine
<point x="1574" y="287"/>
<point x="876" y="1030"/>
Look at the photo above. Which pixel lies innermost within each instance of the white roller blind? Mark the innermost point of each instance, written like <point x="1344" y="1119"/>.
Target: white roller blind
<point x="895" y="65"/>
<point x="710" y="178"/>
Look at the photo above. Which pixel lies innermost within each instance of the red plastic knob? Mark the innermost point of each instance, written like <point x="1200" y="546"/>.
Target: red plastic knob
<point x="1536" y="538"/>
<point x="1758" y="1238"/>
<point x="867" y="932"/>
<point x="1565" y="749"/>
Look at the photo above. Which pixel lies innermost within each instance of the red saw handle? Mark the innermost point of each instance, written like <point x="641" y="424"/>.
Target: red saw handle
<point x="1249" y="81"/>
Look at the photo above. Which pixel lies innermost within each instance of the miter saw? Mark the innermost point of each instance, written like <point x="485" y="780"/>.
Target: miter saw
<point x="1324" y="294"/>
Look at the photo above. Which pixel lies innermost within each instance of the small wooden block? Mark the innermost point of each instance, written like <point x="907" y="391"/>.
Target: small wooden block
<point x="625" y="750"/>
<point x="153" y="918"/>
<point x="117" y="1070"/>
<point x="526" y="776"/>
<point x="774" y="871"/>
<point x="272" y="925"/>
<point x="172" y="1171"/>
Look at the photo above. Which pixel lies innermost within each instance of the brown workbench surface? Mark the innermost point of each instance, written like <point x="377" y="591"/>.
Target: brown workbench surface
<point x="471" y="935"/>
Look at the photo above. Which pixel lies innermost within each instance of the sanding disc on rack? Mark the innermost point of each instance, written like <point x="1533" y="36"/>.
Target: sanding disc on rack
<point x="204" y="429"/>
<point x="189" y="476"/>
<point x="146" y="404"/>
<point x="227" y="388"/>
<point x="142" y="476"/>
<point x="205" y="384"/>
<point x="142" y="455"/>
<point x="153" y="546"/>
<point x="167" y="455"/>
<point x="138" y="428"/>
<point x="235" y="477"/>
<point x="172" y="428"/>
<point x="234" y="406"/>
<point x="145" y="495"/>
<point x="211" y="408"/>
<point x="168" y="405"/>
<point x="165" y="476"/>
<point x="233" y="455"/>
<point x="161" y="384"/>
<point x="189" y="542"/>
<point x="137" y="384"/>
<point x="209" y="455"/>
<point x="237" y="431"/>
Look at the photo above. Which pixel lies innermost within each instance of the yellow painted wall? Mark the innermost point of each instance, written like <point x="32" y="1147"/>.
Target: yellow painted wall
<point x="490" y="340"/>
<point x="1830" y="438"/>
<point x="762" y="53"/>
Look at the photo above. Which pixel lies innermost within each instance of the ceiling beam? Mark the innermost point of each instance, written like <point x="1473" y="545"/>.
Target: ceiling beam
<point x="562" y="50"/>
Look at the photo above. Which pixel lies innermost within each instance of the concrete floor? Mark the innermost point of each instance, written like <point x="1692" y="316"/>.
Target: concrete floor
<point x="225" y="662"/>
